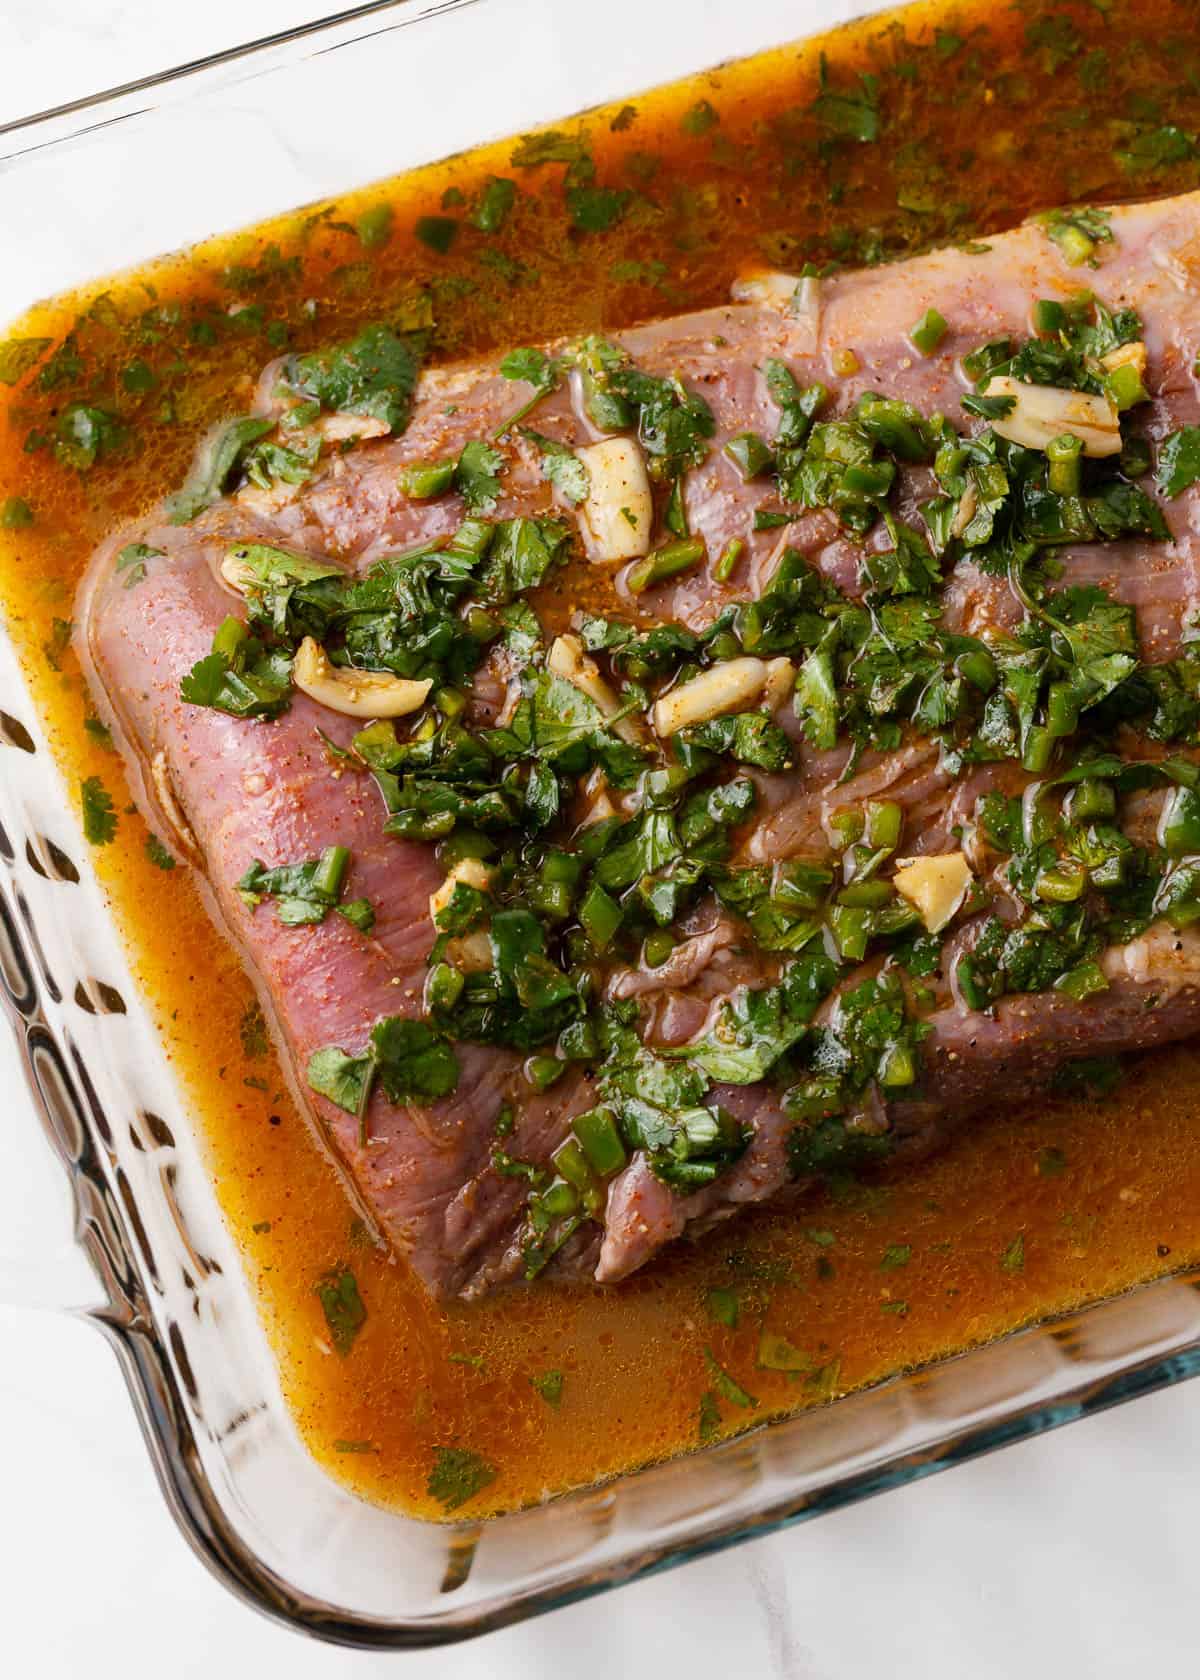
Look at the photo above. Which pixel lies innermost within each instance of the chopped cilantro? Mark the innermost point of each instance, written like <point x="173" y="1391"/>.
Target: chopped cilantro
<point x="158" y="854"/>
<point x="494" y="204"/>
<point x="722" y="1305"/>
<point x="374" y="226"/>
<point x="550" y="1386"/>
<point x="1179" y="461"/>
<point x="15" y="514"/>
<point x="343" y="1307"/>
<point x="252" y="1030"/>
<point x="709" y="1420"/>
<point x="699" y="119"/>
<point x="99" y="817"/>
<point x="477" y="476"/>
<point x="215" y="467"/>
<point x="458" y="1476"/>
<point x="410" y="1060"/>
<point x="596" y="209"/>
<point x="19" y="355"/>
<point x="1051" y="1162"/>
<point x="438" y="232"/>
<point x="725" y="1385"/>
<point x="373" y="375"/>
<point x="132" y="561"/>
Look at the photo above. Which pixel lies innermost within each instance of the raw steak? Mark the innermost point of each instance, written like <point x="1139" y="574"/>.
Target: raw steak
<point x="234" y="790"/>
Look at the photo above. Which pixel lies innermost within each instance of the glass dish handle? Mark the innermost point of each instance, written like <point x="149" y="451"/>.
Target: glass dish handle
<point x="42" y="1207"/>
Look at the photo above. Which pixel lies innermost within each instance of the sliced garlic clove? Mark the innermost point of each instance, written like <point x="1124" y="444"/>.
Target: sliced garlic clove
<point x="566" y="659"/>
<point x="472" y="872"/>
<point x="343" y="428"/>
<point x="968" y="506"/>
<point x="1126" y="355"/>
<point x="365" y="694"/>
<point x="471" y="953"/>
<point x="1043" y="413"/>
<point x="617" y="514"/>
<point x="236" y="575"/>
<point x="934" y="886"/>
<point x="726" y="688"/>
<point x="791" y="294"/>
<point x="168" y="804"/>
<point x="794" y="295"/>
<point x="781" y="680"/>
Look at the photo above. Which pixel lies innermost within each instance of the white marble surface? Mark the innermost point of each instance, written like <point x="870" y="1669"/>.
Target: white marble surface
<point x="1071" y="1555"/>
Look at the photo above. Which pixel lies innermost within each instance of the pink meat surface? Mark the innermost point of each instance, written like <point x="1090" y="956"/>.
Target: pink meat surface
<point x="233" y="791"/>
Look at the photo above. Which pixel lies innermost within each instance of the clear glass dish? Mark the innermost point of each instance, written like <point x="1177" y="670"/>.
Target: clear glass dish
<point x="122" y="175"/>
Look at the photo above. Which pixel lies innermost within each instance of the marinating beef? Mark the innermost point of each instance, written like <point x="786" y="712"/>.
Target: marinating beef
<point x="787" y="711"/>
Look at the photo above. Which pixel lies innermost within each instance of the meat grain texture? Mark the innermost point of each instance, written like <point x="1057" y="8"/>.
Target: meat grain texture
<point x="232" y="791"/>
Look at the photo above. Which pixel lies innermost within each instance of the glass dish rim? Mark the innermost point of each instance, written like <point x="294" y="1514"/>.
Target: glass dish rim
<point x="177" y="73"/>
<point x="125" y="1317"/>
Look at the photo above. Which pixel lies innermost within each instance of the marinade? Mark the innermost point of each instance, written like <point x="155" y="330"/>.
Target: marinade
<point x="857" y="149"/>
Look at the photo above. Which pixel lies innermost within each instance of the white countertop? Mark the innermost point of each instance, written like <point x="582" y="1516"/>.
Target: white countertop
<point x="1069" y="1555"/>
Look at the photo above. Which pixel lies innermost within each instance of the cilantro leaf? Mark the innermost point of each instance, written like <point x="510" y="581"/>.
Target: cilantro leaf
<point x="725" y="1385"/>
<point x="19" y="355"/>
<point x="132" y="560"/>
<point x="15" y="514"/>
<point x="550" y="1386"/>
<point x="560" y="466"/>
<point x="552" y="146"/>
<point x="709" y="1423"/>
<point x="238" y="676"/>
<point x="215" y="466"/>
<point x="411" y="1060"/>
<point x="1156" y="148"/>
<point x="848" y="113"/>
<point x="457" y="1476"/>
<point x="341" y="1078"/>
<point x="99" y="817"/>
<point x="305" y="892"/>
<point x="84" y="433"/>
<point x="415" y="1062"/>
<point x="494" y="204"/>
<point x="373" y="375"/>
<point x="596" y="209"/>
<point x="1179" y="461"/>
<point x="158" y="854"/>
<point x="345" y="1313"/>
<point x="477" y="475"/>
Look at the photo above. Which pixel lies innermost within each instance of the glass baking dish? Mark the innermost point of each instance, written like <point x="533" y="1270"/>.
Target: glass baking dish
<point x="122" y="175"/>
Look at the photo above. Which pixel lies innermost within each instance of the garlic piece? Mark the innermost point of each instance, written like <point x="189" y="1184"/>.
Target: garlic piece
<point x="968" y="505"/>
<point x="1127" y="355"/>
<point x="797" y="296"/>
<point x="617" y="513"/>
<point x="934" y="886"/>
<point x="236" y="574"/>
<point x="726" y="688"/>
<point x="781" y="680"/>
<point x="1043" y="412"/>
<point x="365" y="694"/>
<point x="471" y="953"/>
<point x="566" y="659"/>
<point x="168" y="804"/>
<point x="472" y="872"/>
<point x="342" y="428"/>
<point x="791" y="294"/>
